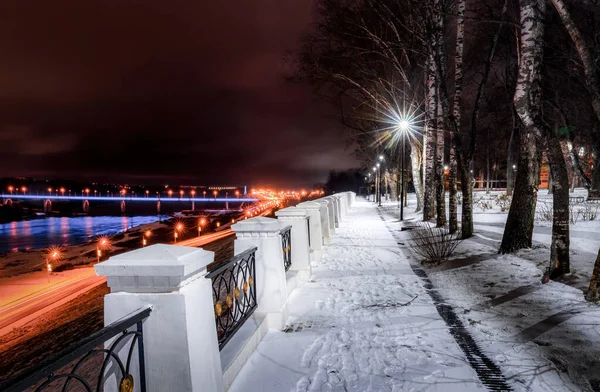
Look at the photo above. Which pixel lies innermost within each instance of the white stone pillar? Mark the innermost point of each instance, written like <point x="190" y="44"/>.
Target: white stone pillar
<point x="271" y="284"/>
<point x="348" y="199"/>
<point x="343" y="204"/>
<point x="352" y="198"/>
<point x="180" y="339"/>
<point x="336" y="210"/>
<point x="298" y="219"/>
<point x="315" y="228"/>
<point x="325" y="224"/>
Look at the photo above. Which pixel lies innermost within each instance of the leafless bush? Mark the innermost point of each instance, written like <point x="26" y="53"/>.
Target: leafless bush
<point x="589" y="211"/>
<point x="483" y="203"/>
<point x="433" y="244"/>
<point x="503" y="201"/>
<point x="543" y="212"/>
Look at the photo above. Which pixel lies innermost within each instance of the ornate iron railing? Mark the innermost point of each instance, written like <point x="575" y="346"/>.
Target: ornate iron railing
<point x="286" y="246"/>
<point x="57" y="369"/>
<point x="234" y="294"/>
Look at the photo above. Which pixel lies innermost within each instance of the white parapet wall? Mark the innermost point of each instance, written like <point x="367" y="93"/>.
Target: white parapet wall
<point x="297" y="218"/>
<point x="326" y="230"/>
<point x="271" y="285"/>
<point x="180" y="339"/>
<point x="315" y="225"/>
<point x="335" y="202"/>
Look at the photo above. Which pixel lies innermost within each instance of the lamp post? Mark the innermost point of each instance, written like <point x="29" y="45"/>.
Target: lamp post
<point x="375" y="184"/>
<point x="404" y="126"/>
<point x="379" y="186"/>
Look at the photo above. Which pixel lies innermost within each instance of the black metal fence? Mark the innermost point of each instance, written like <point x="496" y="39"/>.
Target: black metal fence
<point x="78" y="367"/>
<point x="286" y="246"/>
<point x="234" y="294"/>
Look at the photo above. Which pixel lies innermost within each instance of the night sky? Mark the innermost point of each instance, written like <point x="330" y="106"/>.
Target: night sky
<point x="153" y="91"/>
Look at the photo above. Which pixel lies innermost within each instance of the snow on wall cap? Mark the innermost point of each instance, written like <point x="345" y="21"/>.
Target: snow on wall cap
<point x="258" y="224"/>
<point x="309" y="205"/>
<point x="291" y="212"/>
<point x="159" y="260"/>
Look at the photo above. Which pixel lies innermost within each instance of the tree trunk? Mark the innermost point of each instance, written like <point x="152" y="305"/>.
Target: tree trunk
<point x="594" y="191"/>
<point x="440" y="191"/>
<point x="510" y="161"/>
<point x="559" y="249"/>
<point x="430" y="147"/>
<point x="518" y="231"/>
<point x="458" y="80"/>
<point x="593" y="295"/>
<point x="466" y="179"/>
<point x="415" y="160"/>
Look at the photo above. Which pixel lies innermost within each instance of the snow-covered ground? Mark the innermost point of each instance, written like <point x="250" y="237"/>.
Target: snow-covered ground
<point x="365" y="322"/>
<point x="543" y="337"/>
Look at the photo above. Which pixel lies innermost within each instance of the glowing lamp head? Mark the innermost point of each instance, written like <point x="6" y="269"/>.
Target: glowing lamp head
<point x="378" y="165"/>
<point x="403" y="125"/>
<point x="381" y="157"/>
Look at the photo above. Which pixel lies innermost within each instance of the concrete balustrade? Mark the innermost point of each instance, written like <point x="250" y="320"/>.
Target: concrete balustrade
<point x="180" y="338"/>
<point x="343" y="205"/>
<point x="315" y="224"/>
<point x="326" y="226"/>
<point x="271" y="285"/>
<point x="299" y="219"/>
<point x="336" y="210"/>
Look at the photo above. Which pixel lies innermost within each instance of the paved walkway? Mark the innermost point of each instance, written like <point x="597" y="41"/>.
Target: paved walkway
<point x="364" y="323"/>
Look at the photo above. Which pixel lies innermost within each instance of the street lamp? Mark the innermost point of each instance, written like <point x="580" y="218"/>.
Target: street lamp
<point x="215" y="194"/>
<point x="146" y="235"/>
<point x="53" y="255"/>
<point x="403" y="127"/>
<point x="102" y="244"/>
<point x="178" y="229"/>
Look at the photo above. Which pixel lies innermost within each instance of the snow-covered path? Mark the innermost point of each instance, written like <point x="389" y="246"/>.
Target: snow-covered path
<point x="363" y="323"/>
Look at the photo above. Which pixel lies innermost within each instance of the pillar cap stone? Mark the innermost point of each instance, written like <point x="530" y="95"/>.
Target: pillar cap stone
<point x="309" y="205"/>
<point x="257" y="225"/>
<point x="291" y="213"/>
<point x="155" y="268"/>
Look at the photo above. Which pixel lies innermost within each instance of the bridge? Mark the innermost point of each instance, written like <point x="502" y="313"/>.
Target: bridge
<point x="7" y="199"/>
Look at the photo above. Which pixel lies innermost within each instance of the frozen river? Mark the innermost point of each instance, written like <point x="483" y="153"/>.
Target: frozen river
<point x="41" y="233"/>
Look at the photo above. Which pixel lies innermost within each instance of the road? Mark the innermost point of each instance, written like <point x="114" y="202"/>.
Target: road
<point x="20" y="309"/>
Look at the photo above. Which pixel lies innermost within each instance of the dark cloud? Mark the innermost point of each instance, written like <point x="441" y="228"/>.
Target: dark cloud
<point x="150" y="90"/>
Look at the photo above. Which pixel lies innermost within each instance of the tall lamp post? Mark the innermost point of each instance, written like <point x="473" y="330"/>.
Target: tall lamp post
<point x="403" y="126"/>
<point x="375" y="180"/>
<point x="379" y="186"/>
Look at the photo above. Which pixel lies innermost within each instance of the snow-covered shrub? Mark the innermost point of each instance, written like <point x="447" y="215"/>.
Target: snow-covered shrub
<point x="503" y="201"/>
<point x="482" y="203"/>
<point x="433" y="244"/>
<point x="574" y="212"/>
<point x="589" y="211"/>
<point x="543" y="212"/>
